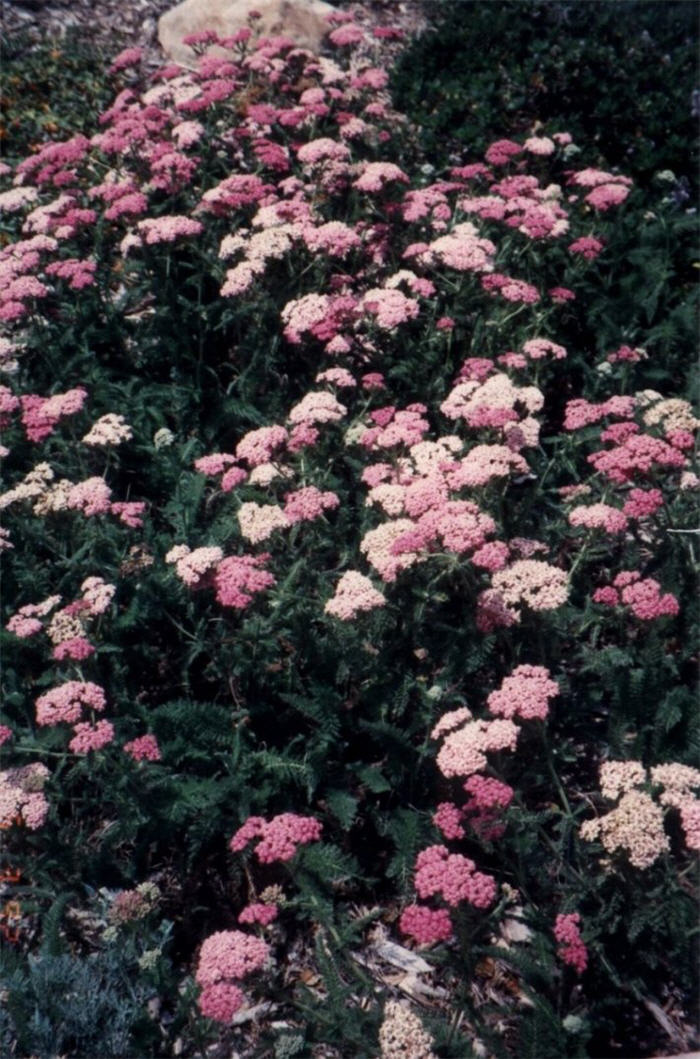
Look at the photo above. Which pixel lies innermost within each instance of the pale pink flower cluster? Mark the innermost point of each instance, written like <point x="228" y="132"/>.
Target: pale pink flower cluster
<point x="354" y="593"/>
<point x="259" y="521"/>
<point x="539" y="348"/>
<point x="26" y="622"/>
<point x="599" y="516"/>
<point x="617" y="777"/>
<point x="635" y="826"/>
<point x="18" y="198"/>
<point x="453" y="877"/>
<point x="279" y="837"/>
<point x="483" y="463"/>
<point x="339" y="377"/>
<point x="271" y="244"/>
<point x="97" y="595"/>
<point x="323" y="150"/>
<point x="389" y="307"/>
<point x="525" y="694"/>
<point x="540" y="145"/>
<point x="91" y="496"/>
<point x="401" y="1034"/>
<point x="193" y="566"/>
<point x="34" y="484"/>
<point x="335" y="238"/>
<point x="374" y="176"/>
<point x="167" y="229"/>
<point x="21" y="798"/>
<point x="317" y="406"/>
<point x="308" y="503"/>
<point x="533" y="584"/>
<point x="572" y="949"/>
<point x="109" y="429"/>
<point x="463" y="249"/>
<point x="258" y="446"/>
<point x="476" y="398"/>
<point x="464" y="750"/>
<point x="378" y="545"/>
<point x="65" y="703"/>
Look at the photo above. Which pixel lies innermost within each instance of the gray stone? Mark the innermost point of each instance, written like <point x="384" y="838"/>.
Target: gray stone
<point x="303" y="21"/>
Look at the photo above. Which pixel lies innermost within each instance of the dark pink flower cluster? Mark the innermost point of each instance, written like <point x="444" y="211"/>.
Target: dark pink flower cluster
<point x="453" y="877"/>
<point x="513" y="290"/>
<point x="581" y="413"/>
<point x="404" y="427"/>
<point x="258" y="913"/>
<point x="279" y="837"/>
<point x="41" y="414"/>
<point x="77" y="273"/>
<point x="426" y="925"/>
<point x="641" y="503"/>
<point x="483" y="809"/>
<point x="145" y="748"/>
<point x="572" y="949"/>
<point x="239" y="577"/>
<point x="643" y="596"/>
<point x="587" y="247"/>
<point x="636" y="455"/>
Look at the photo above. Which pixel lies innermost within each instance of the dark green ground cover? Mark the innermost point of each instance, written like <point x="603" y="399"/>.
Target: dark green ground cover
<point x="618" y="74"/>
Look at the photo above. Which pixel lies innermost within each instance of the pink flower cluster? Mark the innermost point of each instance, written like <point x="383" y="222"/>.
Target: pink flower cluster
<point x="599" y="516"/>
<point x="225" y="958"/>
<point x="308" y="503"/>
<point x="525" y="694"/>
<point x="572" y="949"/>
<point x="279" y="837"/>
<point x="638" y="454"/>
<point x="21" y="797"/>
<point x="65" y="702"/>
<point x="238" y="578"/>
<point x="89" y="737"/>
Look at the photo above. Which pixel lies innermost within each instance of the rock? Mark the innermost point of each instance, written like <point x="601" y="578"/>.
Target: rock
<point x="303" y="21"/>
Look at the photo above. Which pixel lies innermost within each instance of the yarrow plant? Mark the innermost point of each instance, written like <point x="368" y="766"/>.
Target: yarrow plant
<point x="342" y="555"/>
